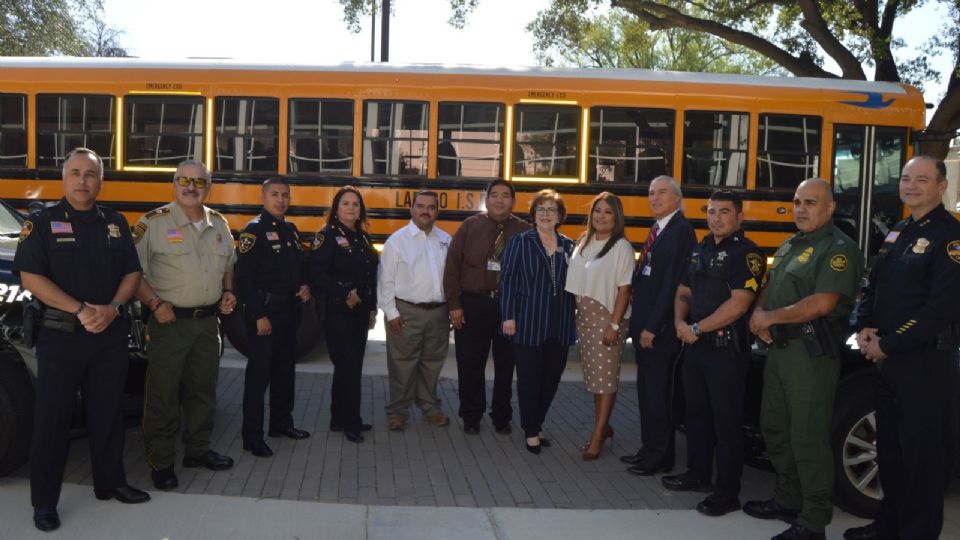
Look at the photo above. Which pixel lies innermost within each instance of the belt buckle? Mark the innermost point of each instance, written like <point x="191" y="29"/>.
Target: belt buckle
<point x="198" y="313"/>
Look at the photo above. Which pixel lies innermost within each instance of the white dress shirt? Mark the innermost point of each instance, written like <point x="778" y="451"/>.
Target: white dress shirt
<point x="411" y="268"/>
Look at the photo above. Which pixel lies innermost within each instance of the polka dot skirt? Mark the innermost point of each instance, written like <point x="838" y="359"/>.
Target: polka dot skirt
<point x="600" y="363"/>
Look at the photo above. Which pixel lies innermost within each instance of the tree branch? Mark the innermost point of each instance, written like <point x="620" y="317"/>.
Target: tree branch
<point x="661" y="17"/>
<point x="814" y="24"/>
<point x="887" y="69"/>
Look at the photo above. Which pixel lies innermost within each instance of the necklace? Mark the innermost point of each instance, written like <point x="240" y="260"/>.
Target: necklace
<point x="553" y="271"/>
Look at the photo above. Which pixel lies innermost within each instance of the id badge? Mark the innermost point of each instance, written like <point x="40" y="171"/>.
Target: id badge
<point x="493" y="266"/>
<point x="646" y="270"/>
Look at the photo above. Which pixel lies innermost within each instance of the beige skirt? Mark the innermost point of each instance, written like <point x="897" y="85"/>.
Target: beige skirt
<point x="600" y="363"/>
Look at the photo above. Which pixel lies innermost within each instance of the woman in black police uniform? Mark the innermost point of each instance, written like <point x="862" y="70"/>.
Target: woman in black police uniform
<point x="343" y="267"/>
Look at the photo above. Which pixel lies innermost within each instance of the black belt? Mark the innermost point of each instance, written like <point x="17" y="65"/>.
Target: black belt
<point x="790" y="331"/>
<point x="488" y="294"/>
<point x="277" y="298"/>
<point x="199" y="312"/>
<point x="423" y="305"/>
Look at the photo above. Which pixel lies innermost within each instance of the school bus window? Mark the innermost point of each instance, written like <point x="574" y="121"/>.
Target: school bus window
<point x="715" y="148"/>
<point x="546" y="140"/>
<point x="66" y="121"/>
<point x="788" y="150"/>
<point x="395" y="138"/>
<point x="248" y="132"/>
<point x="162" y="131"/>
<point x="469" y="139"/>
<point x="13" y="130"/>
<point x="321" y="136"/>
<point x="630" y="145"/>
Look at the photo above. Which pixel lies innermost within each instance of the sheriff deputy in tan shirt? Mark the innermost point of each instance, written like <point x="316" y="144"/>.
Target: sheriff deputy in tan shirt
<point x="186" y="251"/>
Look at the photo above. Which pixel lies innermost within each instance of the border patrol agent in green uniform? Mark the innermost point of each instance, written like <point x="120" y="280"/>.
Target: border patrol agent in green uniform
<point x="802" y="315"/>
<point x="186" y="251"/>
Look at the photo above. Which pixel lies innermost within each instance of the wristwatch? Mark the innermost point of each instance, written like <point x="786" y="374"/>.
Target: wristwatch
<point x="615" y="326"/>
<point x="116" y="307"/>
<point x="695" y="328"/>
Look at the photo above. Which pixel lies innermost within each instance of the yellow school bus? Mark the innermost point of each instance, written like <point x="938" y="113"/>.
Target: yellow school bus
<point x="394" y="129"/>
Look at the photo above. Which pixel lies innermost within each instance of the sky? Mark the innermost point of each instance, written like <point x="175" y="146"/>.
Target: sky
<point x="313" y="31"/>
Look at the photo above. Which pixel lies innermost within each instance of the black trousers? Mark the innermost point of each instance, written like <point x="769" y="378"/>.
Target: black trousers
<point x="270" y="363"/>
<point x="346" y="333"/>
<point x="714" y="383"/>
<point x="916" y="441"/>
<point x="538" y="375"/>
<point x="657" y="432"/>
<point x="472" y="344"/>
<point x="97" y="364"/>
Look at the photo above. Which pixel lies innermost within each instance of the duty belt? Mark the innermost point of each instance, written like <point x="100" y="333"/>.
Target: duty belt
<point x="423" y="305"/>
<point x="790" y="331"/>
<point x="199" y="312"/>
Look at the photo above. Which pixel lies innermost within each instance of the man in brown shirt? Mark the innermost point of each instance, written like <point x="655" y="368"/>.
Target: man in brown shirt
<point x="470" y="283"/>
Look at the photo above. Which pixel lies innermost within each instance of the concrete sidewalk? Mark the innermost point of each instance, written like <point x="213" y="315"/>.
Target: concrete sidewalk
<point x="422" y="483"/>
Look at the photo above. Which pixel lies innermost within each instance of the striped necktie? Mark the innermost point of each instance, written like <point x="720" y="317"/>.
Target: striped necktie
<point x="499" y="243"/>
<point x="651" y="236"/>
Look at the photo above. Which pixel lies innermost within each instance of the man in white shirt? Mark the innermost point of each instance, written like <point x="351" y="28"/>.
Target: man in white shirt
<point x="410" y="293"/>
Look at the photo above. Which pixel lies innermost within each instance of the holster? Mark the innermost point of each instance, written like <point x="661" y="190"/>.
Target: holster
<point x="32" y="315"/>
<point x="54" y="319"/>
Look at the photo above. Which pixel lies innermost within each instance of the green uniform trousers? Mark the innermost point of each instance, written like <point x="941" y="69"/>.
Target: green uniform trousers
<point x="795" y="415"/>
<point x="184" y="359"/>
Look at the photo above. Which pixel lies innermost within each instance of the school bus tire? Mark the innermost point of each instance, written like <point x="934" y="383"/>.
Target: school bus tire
<point x="16" y="410"/>
<point x="309" y="329"/>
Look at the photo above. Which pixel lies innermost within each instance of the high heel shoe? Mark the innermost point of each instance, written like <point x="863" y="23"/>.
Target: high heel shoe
<point x="588" y="453"/>
<point x="534" y="448"/>
<point x="607" y="434"/>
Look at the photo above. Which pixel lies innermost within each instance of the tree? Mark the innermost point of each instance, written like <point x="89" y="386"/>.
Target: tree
<point x="56" y="27"/>
<point x="618" y="40"/>
<point x="796" y="34"/>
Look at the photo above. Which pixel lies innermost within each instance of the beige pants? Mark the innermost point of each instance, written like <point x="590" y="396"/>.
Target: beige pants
<point x="415" y="357"/>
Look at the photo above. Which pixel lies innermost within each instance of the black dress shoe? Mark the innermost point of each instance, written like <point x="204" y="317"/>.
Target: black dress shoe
<point x="867" y="532"/>
<point x="686" y="482"/>
<point x="503" y="429"/>
<point x="770" y="509"/>
<point x="534" y="448"/>
<point x="471" y="428"/>
<point x="633" y="459"/>
<point x="545" y="442"/>
<point x="717" y="505"/>
<point x="124" y="494"/>
<point x="643" y="469"/>
<point x="209" y="459"/>
<point x="290" y="433"/>
<point x="46" y="519"/>
<point x="799" y="532"/>
<point x="164" y="479"/>
<point x="338" y="428"/>
<point x="353" y="436"/>
<point x="258" y="448"/>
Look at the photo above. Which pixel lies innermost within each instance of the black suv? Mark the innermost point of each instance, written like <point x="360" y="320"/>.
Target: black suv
<point x="18" y="366"/>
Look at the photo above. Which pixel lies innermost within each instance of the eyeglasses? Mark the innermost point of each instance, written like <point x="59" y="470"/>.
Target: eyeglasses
<point x="546" y="210"/>
<point x="185" y="181"/>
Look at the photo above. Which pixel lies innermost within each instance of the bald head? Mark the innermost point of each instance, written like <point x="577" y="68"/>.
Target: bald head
<point x="813" y="204"/>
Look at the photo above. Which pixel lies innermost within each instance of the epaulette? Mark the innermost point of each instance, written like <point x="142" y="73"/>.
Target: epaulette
<point x="157" y="212"/>
<point x="218" y="214"/>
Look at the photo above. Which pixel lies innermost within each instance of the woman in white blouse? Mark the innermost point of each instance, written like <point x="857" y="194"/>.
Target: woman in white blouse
<point x="599" y="275"/>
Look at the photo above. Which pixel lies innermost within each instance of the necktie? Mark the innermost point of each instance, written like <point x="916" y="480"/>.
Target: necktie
<point x="651" y="236"/>
<point x="498" y="246"/>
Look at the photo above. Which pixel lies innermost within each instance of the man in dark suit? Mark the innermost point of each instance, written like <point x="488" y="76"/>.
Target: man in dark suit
<point x="662" y="260"/>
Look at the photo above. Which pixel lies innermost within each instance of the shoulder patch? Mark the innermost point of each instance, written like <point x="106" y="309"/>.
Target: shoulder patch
<point x="26" y="230"/>
<point x="318" y="240"/>
<point x="157" y="212"/>
<point x="138" y="231"/>
<point x="839" y="262"/>
<point x="755" y="263"/>
<point x="953" y="250"/>
<point x="247" y="241"/>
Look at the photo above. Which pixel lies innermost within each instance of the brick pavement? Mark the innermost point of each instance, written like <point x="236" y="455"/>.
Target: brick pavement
<point x="424" y="465"/>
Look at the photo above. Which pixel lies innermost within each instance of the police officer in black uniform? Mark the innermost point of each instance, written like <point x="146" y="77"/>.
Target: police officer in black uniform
<point x="711" y="305"/>
<point x="909" y="320"/>
<point x="79" y="261"/>
<point x="343" y="266"/>
<point x="271" y="281"/>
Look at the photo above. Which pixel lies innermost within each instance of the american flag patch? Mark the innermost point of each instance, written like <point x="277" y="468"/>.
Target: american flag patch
<point x="174" y="235"/>
<point x="271" y="235"/>
<point x="61" y="227"/>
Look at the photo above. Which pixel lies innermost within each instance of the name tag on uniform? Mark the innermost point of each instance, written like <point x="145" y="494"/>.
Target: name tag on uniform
<point x="271" y="235"/>
<point x="646" y="270"/>
<point x="113" y="230"/>
<point x="493" y="266"/>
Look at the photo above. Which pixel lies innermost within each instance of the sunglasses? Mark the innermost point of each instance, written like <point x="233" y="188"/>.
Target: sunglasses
<point x="185" y="181"/>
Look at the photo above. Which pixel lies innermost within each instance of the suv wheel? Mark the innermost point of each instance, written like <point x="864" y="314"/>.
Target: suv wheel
<point x="854" y="436"/>
<point x="16" y="410"/>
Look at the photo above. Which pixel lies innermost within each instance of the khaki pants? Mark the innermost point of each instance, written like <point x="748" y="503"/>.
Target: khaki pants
<point x="185" y="352"/>
<point x="415" y="357"/>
